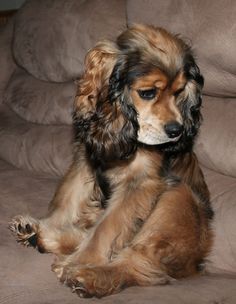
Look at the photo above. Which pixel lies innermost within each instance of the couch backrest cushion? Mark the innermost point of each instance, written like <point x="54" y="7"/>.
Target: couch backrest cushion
<point x="7" y="64"/>
<point x="210" y="26"/>
<point x="52" y="36"/>
<point x="40" y="101"/>
<point x="33" y="147"/>
<point x="216" y="144"/>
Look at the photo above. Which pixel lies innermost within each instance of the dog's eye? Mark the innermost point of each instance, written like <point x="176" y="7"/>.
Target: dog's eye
<point x="179" y="91"/>
<point x="147" y="94"/>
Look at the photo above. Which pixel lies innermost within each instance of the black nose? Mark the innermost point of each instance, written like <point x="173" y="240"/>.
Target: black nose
<point x="173" y="129"/>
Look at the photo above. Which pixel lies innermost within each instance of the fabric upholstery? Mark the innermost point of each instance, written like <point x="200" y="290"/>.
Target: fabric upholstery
<point x="217" y="141"/>
<point x="223" y="193"/>
<point x="68" y="29"/>
<point x="39" y="101"/>
<point x="208" y="26"/>
<point x="7" y="64"/>
<point x="37" y="148"/>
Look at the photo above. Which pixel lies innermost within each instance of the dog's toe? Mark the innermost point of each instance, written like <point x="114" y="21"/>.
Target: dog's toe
<point x="25" y="229"/>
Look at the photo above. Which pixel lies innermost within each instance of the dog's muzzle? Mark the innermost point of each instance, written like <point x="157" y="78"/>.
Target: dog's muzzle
<point x="170" y="132"/>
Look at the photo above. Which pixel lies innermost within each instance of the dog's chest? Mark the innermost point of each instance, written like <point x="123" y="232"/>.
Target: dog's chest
<point x="128" y="174"/>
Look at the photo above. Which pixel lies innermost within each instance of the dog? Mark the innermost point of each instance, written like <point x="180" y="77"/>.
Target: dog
<point x="134" y="208"/>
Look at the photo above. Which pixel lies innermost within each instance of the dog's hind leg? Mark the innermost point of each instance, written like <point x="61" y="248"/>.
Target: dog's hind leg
<point x="172" y="242"/>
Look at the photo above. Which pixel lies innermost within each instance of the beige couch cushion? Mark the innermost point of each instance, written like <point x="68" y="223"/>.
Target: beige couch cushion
<point x="37" y="148"/>
<point x="39" y="101"/>
<point x="208" y="25"/>
<point x="223" y="193"/>
<point x="216" y="145"/>
<point x="7" y="64"/>
<point x="67" y="29"/>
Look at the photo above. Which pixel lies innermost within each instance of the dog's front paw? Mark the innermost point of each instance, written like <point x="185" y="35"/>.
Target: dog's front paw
<point x="25" y="228"/>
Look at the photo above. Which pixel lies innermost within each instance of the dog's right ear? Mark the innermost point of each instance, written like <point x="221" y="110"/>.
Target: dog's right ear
<point x="99" y="63"/>
<point x="105" y="122"/>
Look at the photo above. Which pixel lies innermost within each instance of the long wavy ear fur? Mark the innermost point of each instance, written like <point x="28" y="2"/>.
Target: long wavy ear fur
<point x="193" y="96"/>
<point x="104" y="119"/>
<point x="189" y="102"/>
<point x="99" y="63"/>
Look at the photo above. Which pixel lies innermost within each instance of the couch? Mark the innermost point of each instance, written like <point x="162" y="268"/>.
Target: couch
<point x="41" y="55"/>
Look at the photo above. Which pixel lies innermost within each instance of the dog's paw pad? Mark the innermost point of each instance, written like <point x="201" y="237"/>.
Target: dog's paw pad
<point x="25" y="229"/>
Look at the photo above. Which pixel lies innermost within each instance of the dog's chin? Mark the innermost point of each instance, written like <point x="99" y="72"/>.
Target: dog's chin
<point x="155" y="139"/>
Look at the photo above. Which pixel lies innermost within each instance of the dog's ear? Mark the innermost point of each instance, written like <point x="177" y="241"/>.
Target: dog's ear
<point x="191" y="98"/>
<point x="99" y="63"/>
<point x="104" y="119"/>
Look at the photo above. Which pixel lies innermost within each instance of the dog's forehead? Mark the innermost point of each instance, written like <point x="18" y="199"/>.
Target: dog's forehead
<point x="159" y="79"/>
<point x="154" y="78"/>
<point x="155" y="46"/>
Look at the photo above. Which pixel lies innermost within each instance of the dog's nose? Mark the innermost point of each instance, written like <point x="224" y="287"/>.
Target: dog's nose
<point x="173" y="129"/>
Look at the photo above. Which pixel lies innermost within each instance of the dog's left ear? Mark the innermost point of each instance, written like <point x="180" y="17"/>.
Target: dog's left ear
<point x="192" y="98"/>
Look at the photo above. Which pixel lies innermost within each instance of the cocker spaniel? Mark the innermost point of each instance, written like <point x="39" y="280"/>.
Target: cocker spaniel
<point x="133" y="208"/>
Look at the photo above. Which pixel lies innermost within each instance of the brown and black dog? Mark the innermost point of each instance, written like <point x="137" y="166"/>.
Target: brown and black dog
<point x="133" y="208"/>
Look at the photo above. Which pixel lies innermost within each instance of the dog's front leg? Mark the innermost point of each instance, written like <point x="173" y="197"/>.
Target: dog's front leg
<point x="72" y="212"/>
<point x="130" y="205"/>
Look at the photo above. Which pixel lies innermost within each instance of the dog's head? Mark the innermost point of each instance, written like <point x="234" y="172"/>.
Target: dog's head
<point x="143" y="88"/>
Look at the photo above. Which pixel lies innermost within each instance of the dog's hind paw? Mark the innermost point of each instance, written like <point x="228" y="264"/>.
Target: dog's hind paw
<point x="25" y="228"/>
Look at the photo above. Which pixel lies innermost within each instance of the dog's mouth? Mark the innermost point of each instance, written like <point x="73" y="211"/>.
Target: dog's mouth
<point x="151" y="136"/>
<point x="154" y="132"/>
